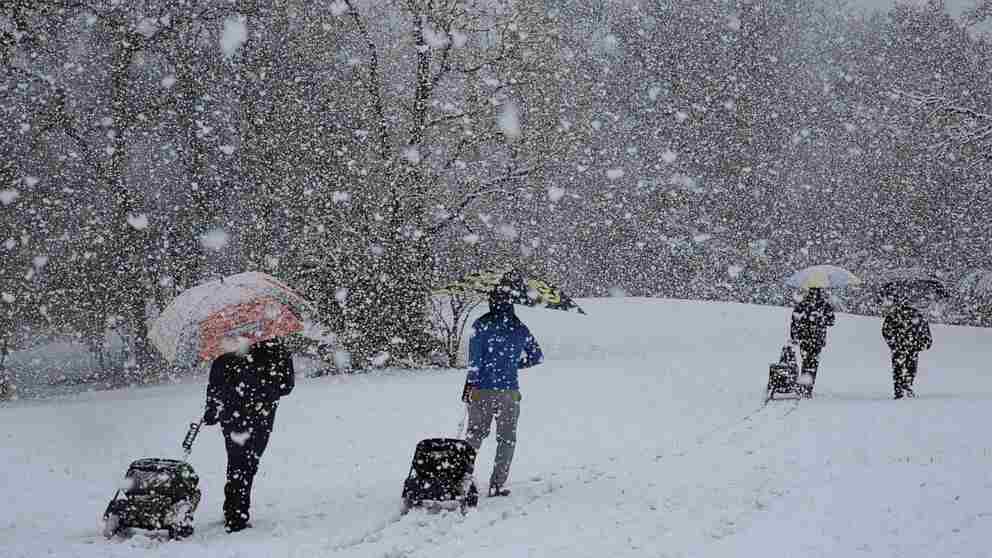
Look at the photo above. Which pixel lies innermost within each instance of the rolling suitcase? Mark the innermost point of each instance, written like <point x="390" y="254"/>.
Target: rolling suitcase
<point x="441" y="476"/>
<point x="158" y="494"/>
<point x="783" y="376"/>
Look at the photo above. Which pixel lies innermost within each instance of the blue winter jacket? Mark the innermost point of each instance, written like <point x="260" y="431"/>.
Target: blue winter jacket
<point x="500" y="346"/>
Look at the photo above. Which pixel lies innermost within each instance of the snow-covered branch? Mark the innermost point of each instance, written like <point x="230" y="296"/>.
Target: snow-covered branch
<point x="373" y="83"/>
<point x="958" y="125"/>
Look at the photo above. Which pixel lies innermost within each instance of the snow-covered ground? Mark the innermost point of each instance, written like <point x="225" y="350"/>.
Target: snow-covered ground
<point x="642" y="435"/>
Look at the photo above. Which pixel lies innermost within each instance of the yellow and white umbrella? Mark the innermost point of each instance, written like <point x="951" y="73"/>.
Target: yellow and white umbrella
<point x="822" y="277"/>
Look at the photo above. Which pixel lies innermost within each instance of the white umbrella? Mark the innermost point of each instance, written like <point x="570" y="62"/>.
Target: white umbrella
<point x="822" y="277"/>
<point x="219" y="316"/>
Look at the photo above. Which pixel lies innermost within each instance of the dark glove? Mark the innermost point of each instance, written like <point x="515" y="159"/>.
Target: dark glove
<point x="210" y="418"/>
<point x="467" y="392"/>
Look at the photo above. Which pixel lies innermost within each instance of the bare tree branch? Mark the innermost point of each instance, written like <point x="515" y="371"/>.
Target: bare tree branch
<point x="959" y="125"/>
<point x="374" y="84"/>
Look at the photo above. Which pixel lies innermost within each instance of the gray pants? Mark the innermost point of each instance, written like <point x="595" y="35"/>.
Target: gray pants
<point x="504" y="406"/>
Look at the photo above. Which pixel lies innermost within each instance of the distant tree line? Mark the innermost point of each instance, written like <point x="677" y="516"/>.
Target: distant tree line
<point x="366" y="151"/>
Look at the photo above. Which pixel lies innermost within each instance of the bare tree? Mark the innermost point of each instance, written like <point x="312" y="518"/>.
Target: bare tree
<point x="957" y="126"/>
<point x="447" y="106"/>
<point x="450" y="314"/>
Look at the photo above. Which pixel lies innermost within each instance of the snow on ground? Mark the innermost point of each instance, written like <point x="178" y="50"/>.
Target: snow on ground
<point x="642" y="435"/>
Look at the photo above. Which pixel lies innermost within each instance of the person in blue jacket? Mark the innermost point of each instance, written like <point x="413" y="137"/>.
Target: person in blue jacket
<point x="500" y="345"/>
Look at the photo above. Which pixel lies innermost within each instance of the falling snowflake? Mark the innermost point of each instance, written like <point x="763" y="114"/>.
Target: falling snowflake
<point x="240" y="438"/>
<point x="215" y="239"/>
<point x="412" y="155"/>
<point x="734" y="271"/>
<point x="669" y="156"/>
<point x="617" y="292"/>
<point x="436" y="39"/>
<point x="8" y="298"/>
<point x="507" y="231"/>
<point x="654" y="92"/>
<point x="147" y="27"/>
<point x="471" y="238"/>
<point x="139" y="222"/>
<point x="235" y="34"/>
<point x="341" y="295"/>
<point x="509" y="121"/>
<point x="39" y="261"/>
<point x="380" y="359"/>
<point x="614" y="174"/>
<point x="340" y="197"/>
<point x="227" y="149"/>
<point x="10" y="243"/>
<point x="555" y="193"/>
<point x="338" y="8"/>
<point x="7" y="197"/>
<point x="168" y="82"/>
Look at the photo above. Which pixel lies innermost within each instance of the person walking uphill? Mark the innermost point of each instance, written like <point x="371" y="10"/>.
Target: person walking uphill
<point x="242" y="395"/>
<point x="500" y="346"/>
<point x="907" y="333"/>
<point x="810" y="320"/>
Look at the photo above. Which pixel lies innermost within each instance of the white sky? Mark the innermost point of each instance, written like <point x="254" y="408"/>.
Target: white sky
<point x="954" y="6"/>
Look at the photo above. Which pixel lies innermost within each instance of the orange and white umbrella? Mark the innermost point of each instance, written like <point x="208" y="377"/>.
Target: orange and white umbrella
<point x="227" y="315"/>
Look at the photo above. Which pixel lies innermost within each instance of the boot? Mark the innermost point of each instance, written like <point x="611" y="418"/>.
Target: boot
<point x="497" y="490"/>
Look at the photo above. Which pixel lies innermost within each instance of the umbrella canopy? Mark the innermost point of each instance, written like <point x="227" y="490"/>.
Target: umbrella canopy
<point x="822" y="277"/>
<point x="528" y="291"/>
<point x="911" y="284"/>
<point x="220" y="316"/>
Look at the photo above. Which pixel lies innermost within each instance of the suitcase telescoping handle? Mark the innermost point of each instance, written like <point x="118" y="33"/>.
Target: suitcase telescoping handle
<point x="194" y="429"/>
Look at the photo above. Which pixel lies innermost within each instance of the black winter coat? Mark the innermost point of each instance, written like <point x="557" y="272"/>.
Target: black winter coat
<point x="241" y="385"/>
<point x="906" y="330"/>
<point x="810" y="320"/>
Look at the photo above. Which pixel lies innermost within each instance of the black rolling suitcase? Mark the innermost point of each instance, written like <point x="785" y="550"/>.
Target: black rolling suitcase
<point x="441" y="476"/>
<point x="158" y="494"/>
<point x="783" y="376"/>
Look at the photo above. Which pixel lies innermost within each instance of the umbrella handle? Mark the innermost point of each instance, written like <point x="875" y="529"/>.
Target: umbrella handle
<point x="194" y="430"/>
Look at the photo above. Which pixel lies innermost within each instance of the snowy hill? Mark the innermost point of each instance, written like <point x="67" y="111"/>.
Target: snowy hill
<point x="642" y="435"/>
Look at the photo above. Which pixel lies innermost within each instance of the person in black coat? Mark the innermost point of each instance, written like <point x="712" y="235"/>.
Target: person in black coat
<point x="907" y="333"/>
<point x="242" y="395"/>
<point x="810" y="320"/>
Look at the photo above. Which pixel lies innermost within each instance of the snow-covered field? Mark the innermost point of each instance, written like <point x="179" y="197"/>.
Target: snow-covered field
<point x="642" y="435"/>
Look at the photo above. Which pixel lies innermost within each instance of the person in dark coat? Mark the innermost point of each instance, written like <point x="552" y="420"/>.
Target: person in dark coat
<point x="242" y="395"/>
<point x="907" y="333"/>
<point x="810" y="320"/>
<point x="499" y="347"/>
